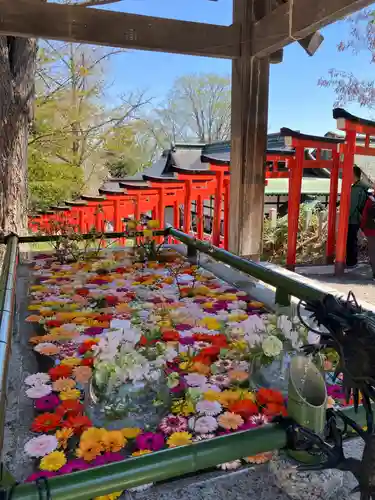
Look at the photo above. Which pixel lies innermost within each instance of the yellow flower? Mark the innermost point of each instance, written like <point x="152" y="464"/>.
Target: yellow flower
<point x="139" y="453"/>
<point x="114" y="441"/>
<point x="33" y="307"/>
<point x="153" y="224"/>
<point x="53" y="462"/>
<point x="210" y="323"/>
<point x="93" y="434"/>
<point x="70" y="394"/>
<point x="131" y="432"/>
<point x="236" y="317"/>
<point x="63" y="384"/>
<point x="230" y="420"/>
<point x="179" y="439"/>
<point x="71" y="361"/>
<point x="63" y="436"/>
<point x="110" y="496"/>
<point x="182" y="407"/>
<point x="89" y="450"/>
<point x="211" y="395"/>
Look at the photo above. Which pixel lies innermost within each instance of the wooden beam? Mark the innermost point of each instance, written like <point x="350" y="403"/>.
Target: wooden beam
<point x="250" y="82"/>
<point x="296" y="20"/>
<point x="74" y="23"/>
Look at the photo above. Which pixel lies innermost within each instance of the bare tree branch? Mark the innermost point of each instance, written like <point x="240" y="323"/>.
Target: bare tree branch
<point x="91" y="3"/>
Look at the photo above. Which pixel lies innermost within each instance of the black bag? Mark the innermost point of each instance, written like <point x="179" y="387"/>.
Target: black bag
<point x="370" y="215"/>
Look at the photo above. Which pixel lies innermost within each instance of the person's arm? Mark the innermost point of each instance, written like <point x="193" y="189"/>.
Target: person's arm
<point x="362" y="199"/>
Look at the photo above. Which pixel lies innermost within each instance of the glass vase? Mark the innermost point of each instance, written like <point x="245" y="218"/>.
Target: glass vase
<point x="274" y="375"/>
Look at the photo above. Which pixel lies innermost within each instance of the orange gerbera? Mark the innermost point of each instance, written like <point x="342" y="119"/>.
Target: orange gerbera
<point x="63" y="435"/>
<point x="82" y="374"/>
<point x="78" y="423"/>
<point x="244" y="407"/>
<point x="230" y="420"/>
<point x="63" y="384"/>
<point x="273" y="409"/>
<point x="89" y="450"/>
<point x="70" y="407"/>
<point x="265" y="396"/>
<point x="114" y="441"/>
<point x="33" y="318"/>
<point x="238" y="375"/>
<point x="46" y="422"/>
<point x="60" y="371"/>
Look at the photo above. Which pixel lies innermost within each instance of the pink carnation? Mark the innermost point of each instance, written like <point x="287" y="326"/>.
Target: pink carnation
<point x="173" y="423"/>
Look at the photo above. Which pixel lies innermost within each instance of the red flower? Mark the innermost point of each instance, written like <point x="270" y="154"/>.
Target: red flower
<point x="53" y="323"/>
<point x="69" y="408"/>
<point x="86" y="346"/>
<point x="170" y="336"/>
<point x="87" y="361"/>
<point x="104" y="317"/>
<point x="60" y="371"/>
<point x="219" y="340"/>
<point x="273" y="409"/>
<point x="79" y="423"/>
<point x="245" y="408"/>
<point x="83" y="291"/>
<point x="201" y="358"/>
<point x="211" y="352"/>
<point x="111" y="300"/>
<point x="265" y="396"/>
<point x="46" y="422"/>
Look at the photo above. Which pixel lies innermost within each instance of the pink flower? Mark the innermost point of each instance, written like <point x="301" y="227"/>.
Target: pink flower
<point x="203" y="425"/>
<point x="211" y="408"/>
<point x="173" y="423"/>
<point x="41" y="446"/>
<point x="40" y="474"/>
<point x="107" y="458"/>
<point x="195" y="379"/>
<point x="150" y="441"/>
<point x="37" y="379"/>
<point x="259" y="419"/>
<point x="74" y="466"/>
<point x="220" y="380"/>
<point x="39" y="391"/>
<point x="47" y="403"/>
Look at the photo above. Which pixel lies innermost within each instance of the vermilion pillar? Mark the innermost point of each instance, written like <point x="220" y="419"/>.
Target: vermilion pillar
<point x="226" y="215"/>
<point x="217" y="207"/>
<point x="187" y="206"/>
<point x="348" y="150"/>
<point x="199" y="217"/>
<point x="332" y="209"/>
<point x="294" y="199"/>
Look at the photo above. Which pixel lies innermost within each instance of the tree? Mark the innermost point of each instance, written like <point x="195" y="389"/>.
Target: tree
<point x="348" y="87"/>
<point x="17" y="67"/>
<point x="74" y="128"/>
<point x="197" y="108"/>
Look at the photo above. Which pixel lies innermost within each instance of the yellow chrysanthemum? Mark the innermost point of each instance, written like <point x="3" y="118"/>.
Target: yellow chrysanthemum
<point x="53" y="461"/>
<point x="139" y="453"/>
<point x="179" y="439"/>
<point x="131" y="432"/>
<point x="63" y="435"/>
<point x="71" y="361"/>
<point x="114" y="441"/>
<point x="70" y="394"/>
<point x="110" y="496"/>
<point x="93" y="434"/>
<point x="182" y="407"/>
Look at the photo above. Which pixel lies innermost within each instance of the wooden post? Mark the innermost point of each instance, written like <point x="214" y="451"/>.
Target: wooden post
<point x="250" y="82"/>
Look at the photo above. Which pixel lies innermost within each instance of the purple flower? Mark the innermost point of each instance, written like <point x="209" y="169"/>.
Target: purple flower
<point x="247" y="425"/>
<point x="47" y="403"/>
<point x="150" y="441"/>
<point x="182" y="326"/>
<point x="187" y="340"/>
<point x="74" y="466"/>
<point x="94" y="330"/>
<point x="107" y="458"/>
<point x="335" y="391"/>
<point x="180" y="387"/>
<point x="38" y="475"/>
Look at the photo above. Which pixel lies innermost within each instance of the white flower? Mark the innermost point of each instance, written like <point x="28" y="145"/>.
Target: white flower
<point x="203" y="425"/>
<point x="39" y="391"/>
<point x="41" y="446"/>
<point x="195" y="379"/>
<point x="210" y="408"/>
<point x="203" y="437"/>
<point x="37" y="379"/>
<point x="253" y="324"/>
<point x="235" y="464"/>
<point x="272" y="346"/>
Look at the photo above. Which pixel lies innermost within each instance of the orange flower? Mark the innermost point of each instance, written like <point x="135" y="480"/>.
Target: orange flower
<point x="63" y="436"/>
<point x="265" y="396"/>
<point x="89" y="450"/>
<point x="78" y="423"/>
<point x="82" y="374"/>
<point x="273" y="409"/>
<point x="261" y="458"/>
<point x="114" y="441"/>
<point x="139" y="453"/>
<point x="46" y="422"/>
<point x="200" y="368"/>
<point x="47" y="350"/>
<point x="34" y="318"/>
<point x="63" y="384"/>
<point x="230" y="420"/>
<point x="244" y="407"/>
<point x="70" y="407"/>
<point x="238" y="375"/>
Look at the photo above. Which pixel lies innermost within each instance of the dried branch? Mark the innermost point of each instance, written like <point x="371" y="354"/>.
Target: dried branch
<point x="91" y="3"/>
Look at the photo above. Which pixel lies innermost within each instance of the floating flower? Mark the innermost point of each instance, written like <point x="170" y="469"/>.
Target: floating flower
<point x="70" y="407"/>
<point x="46" y="422"/>
<point x="195" y="380"/>
<point x="203" y="437"/>
<point x="110" y="496"/>
<point x="39" y="391"/>
<point x="212" y="395"/>
<point x="203" y="425"/>
<point x="272" y="346"/>
<point x="173" y="423"/>
<point x="79" y="423"/>
<point x="39" y="475"/>
<point x="150" y="441"/>
<point x="71" y="362"/>
<point x="60" y="371"/>
<point x="179" y="439"/>
<point x="63" y="384"/>
<point x="265" y="396"/>
<point x="63" y="435"/>
<point x="210" y="408"/>
<point x="131" y="432"/>
<point x="139" y="453"/>
<point x="47" y="403"/>
<point x="107" y="458"/>
<point x="74" y="465"/>
<point x="182" y="407"/>
<point x="261" y="458"/>
<point x="53" y="462"/>
<point x="259" y="419"/>
<point x="89" y="450"/>
<point x="70" y="394"/>
<point x="37" y="379"/>
<point x="220" y="380"/>
<point x="238" y="375"/>
<point x="233" y="465"/>
<point x="244" y="407"/>
<point x="47" y="348"/>
<point x="114" y="441"/>
<point x="41" y="446"/>
<point x="82" y="374"/>
<point x="230" y="421"/>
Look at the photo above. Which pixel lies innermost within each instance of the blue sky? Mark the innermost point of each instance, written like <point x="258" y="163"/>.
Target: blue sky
<point x="296" y="101"/>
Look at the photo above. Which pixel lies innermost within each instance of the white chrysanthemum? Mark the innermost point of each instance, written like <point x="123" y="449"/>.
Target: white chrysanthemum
<point x="41" y="446"/>
<point x="210" y="408"/>
<point x="37" y="379"/>
<point x="272" y="346"/>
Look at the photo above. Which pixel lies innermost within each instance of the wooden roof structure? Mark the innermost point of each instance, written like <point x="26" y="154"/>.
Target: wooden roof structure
<point x="260" y="30"/>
